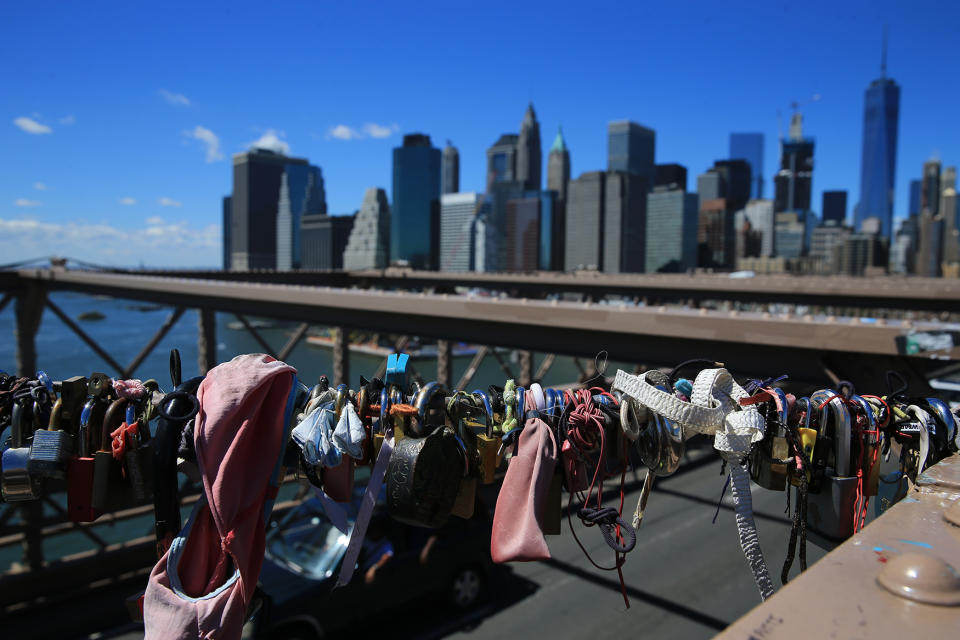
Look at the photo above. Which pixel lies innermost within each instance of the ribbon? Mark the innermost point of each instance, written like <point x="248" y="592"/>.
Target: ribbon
<point x="335" y="513"/>
<point x="368" y="502"/>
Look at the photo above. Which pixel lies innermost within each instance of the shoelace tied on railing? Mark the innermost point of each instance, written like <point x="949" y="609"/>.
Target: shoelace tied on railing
<point x="586" y="428"/>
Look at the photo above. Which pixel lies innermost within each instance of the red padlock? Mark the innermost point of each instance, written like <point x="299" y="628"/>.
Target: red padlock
<point x="80" y="469"/>
<point x="338" y="480"/>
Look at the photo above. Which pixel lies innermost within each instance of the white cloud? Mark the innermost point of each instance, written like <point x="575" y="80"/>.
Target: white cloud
<point x="177" y="99"/>
<point x="162" y="245"/>
<point x="39" y="186"/>
<point x="153" y="220"/>
<point x="209" y="139"/>
<point x="31" y="126"/>
<point x="272" y="140"/>
<point x="375" y="130"/>
<point x="67" y="120"/>
<point x="343" y="132"/>
<point x="169" y="202"/>
<point x="128" y="201"/>
<point x="368" y="130"/>
<point x="23" y="202"/>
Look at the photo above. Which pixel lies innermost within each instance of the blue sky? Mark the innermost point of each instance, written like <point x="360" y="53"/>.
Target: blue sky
<point x="119" y="119"/>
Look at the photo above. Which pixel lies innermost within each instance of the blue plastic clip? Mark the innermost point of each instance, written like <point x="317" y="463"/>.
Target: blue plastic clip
<point x="44" y="378"/>
<point x="397" y="370"/>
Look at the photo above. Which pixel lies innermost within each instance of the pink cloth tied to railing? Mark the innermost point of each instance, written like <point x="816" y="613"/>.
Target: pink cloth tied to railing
<point x="202" y="586"/>
<point x="518" y="520"/>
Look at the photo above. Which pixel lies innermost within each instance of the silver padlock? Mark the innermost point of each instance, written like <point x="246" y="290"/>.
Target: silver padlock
<point x="18" y="485"/>
<point x="51" y="448"/>
<point x="830" y="512"/>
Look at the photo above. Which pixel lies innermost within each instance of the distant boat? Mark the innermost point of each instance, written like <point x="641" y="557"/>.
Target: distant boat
<point x="256" y="324"/>
<point x="91" y="315"/>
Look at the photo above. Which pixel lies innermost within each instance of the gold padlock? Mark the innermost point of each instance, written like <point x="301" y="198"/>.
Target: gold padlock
<point x="466" y="498"/>
<point x="488" y="446"/>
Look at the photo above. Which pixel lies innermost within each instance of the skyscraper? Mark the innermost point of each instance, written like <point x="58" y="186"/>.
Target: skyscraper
<point x="951" y="217"/>
<point x="834" y="206"/>
<point x="529" y="156"/>
<point x="414" y="219"/>
<point x="749" y="147"/>
<point x="323" y="240"/>
<point x="671" y="234"/>
<point x="631" y="148"/>
<point x="558" y="167"/>
<point x="914" y="204"/>
<point x="522" y="233"/>
<point x="301" y="194"/>
<point x="226" y="232"/>
<point x="583" y="246"/>
<point x="671" y="175"/>
<point x="368" y="246"/>
<point x="736" y="182"/>
<point x="502" y="160"/>
<point x="760" y="215"/>
<point x="624" y="222"/>
<point x="457" y="213"/>
<point x="716" y="240"/>
<point x="878" y="163"/>
<point x="257" y="175"/>
<point x="794" y="182"/>
<point x="450" y="182"/>
<point x="930" y="189"/>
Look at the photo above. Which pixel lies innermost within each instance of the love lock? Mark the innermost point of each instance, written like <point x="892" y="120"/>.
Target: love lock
<point x="423" y="478"/>
<point x="770" y="457"/>
<point x="18" y="484"/>
<point x="830" y="511"/>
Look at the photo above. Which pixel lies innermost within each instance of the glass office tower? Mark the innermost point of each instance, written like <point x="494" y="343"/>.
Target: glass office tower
<point x="878" y="164"/>
<point x="749" y="147"/>
<point x="414" y="219"/>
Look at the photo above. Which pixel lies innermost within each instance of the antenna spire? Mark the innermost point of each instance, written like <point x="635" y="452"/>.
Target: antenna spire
<point x="883" y="54"/>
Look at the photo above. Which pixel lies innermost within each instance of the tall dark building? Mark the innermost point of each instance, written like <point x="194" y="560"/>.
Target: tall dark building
<point x="735" y="177"/>
<point x="450" y="181"/>
<point x="502" y="160"/>
<point x="529" y="156"/>
<point x="226" y="232"/>
<point x="835" y="206"/>
<point x="323" y="239"/>
<point x="624" y="222"/>
<point x="558" y="167"/>
<point x="930" y="189"/>
<point x="631" y="148"/>
<point x="583" y="242"/>
<point x="878" y="164"/>
<point x="794" y="182"/>
<point x="414" y="216"/>
<point x="914" y="204"/>
<point x="672" y="176"/>
<point x="522" y="237"/>
<point x="749" y="147"/>
<point x="257" y="175"/>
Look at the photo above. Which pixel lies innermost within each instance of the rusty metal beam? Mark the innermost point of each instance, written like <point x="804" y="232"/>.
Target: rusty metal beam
<point x="5" y="300"/>
<point x="154" y="341"/>
<point x="888" y="292"/>
<point x="341" y="356"/>
<point x="206" y="340"/>
<point x="444" y="362"/>
<point x="293" y="341"/>
<point x="544" y="367"/>
<point x="73" y="326"/>
<point x="750" y="343"/>
<point x="472" y="369"/>
<point x="267" y="349"/>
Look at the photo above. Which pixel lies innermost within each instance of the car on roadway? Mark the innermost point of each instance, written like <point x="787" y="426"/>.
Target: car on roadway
<point x="305" y="550"/>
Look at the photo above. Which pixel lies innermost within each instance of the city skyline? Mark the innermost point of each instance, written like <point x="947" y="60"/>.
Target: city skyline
<point x="115" y="145"/>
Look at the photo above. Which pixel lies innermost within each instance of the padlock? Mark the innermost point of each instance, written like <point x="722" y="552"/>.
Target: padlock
<point x="338" y="480"/>
<point x="769" y="458"/>
<point x="463" y="505"/>
<point x="871" y="449"/>
<point x="553" y="508"/>
<point x="80" y="469"/>
<point x="831" y="509"/>
<point x="18" y="484"/>
<point x="487" y="447"/>
<point x="52" y="447"/>
<point x="138" y="460"/>
<point x="423" y="478"/>
<point x="73" y="393"/>
<point x="429" y="403"/>
<point x="109" y="486"/>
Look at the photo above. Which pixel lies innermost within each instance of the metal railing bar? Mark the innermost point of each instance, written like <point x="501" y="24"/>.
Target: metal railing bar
<point x="544" y="367"/>
<point x="293" y="341"/>
<point x="67" y="320"/>
<point x="154" y="341"/>
<point x="472" y="369"/>
<point x="256" y="336"/>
